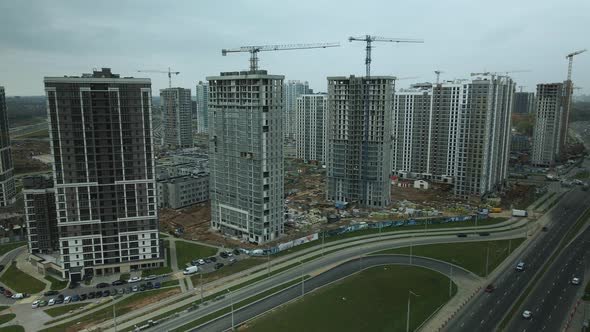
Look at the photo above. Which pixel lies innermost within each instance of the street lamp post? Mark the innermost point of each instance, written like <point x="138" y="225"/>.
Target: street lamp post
<point x="302" y="280"/>
<point x="408" y="314"/>
<point x="233" y="326"/>
<point x="201" y="284"/>
<point x="268" y="261"/>
<point x="114" y="314"/>
<point x="411" y="243"/>
<point x="487" y="260"/>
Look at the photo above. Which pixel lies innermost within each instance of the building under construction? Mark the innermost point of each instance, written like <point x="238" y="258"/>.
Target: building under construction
<point x="551" y="103"/>
<point x="359" y="158"/>
<point x="176" y="117"/>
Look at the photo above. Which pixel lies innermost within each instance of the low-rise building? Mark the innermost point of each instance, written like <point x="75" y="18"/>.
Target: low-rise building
<point x="41" y="215"/>
<point x="182" y="191"/>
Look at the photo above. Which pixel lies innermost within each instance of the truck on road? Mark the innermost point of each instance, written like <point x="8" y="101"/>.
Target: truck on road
<point x="519" y="213"/>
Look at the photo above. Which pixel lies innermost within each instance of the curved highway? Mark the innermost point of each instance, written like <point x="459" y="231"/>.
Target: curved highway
<point x="341" y="271"/>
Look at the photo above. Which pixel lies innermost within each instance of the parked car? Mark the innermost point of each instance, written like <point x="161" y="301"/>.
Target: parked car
<point x="18" y="296"/>
<point x="113" y="292"/>
<point x="150" y="277"/>
<point x="98" y="294"/>
<point x="90" y="295"/>
<point x="149" y="285"/>
<point x="201" y="261"/>
<point x="527" y="314"/>
<point x="118" y="282"/>
<point x="134" y="279"/>
<point x="213" y="259"/>
<point x="60" y="297"/>
<point x="51" y="293"/>
<point x="575" y="281"/>
<point x="59" y="300"/>
<point x="51" y="302"/>
<point x="207" y="261"/>
<point x="102" y="285"/>
<point x="232" y="261"/>
<point x="141" y="287"/>
<point x="218" y="266"/>
<point x="67" y="299"/>
<point x="1" y="267"/>
<point x="106" y="293"/>
<point x="83" y="297"/>
<point x="236" y="252"/>
<point x="490" y="288"/>
<point x="35" y="304"/>
<point x="190" y="270"/>
<point x="7" y="293"/>
<point x="42" y="303"/>
<point x="76" y="298"/>
<point x="135" y="289"/>
<point x="157" y="284"/>
<point x="2" y="289"/>
<point x="223" y="255"/>
<point x="121" y="291"/>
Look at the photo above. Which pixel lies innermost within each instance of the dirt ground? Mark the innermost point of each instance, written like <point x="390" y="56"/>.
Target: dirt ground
<point x="519" y="196"/>
<point x="22" y="155"/>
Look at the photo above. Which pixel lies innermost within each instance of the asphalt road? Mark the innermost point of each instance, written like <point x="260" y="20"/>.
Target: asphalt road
<point x="322" y="263"/>
<point x="339" y="272"/>
<point x="487" y="310"/>
<point x="554" y="294"/>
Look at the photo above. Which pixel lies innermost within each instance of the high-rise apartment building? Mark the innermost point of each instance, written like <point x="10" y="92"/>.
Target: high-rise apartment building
<point x="202" y="98"/>
<point x="176" y="117"/>
<point x="425" y="125"/>
<point x="524" y="102"/>
<point x="311" y="117"/>
<point x="454" y="132"/>
<point x="105" y="189"/>
<point x="484" y="136"/>
<point x="550" y="105"/>
<point x="292" y="91"/>
<point x="246" y="154"/>
<point x="41" y="215"/>
<point x="359" y="157"/>
<point x="7" y="189"/>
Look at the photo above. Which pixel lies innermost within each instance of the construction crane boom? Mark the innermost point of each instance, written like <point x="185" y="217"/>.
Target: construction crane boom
<point x="570" y="58"/>
<point x="253" y="50"/>
<point x="370" y="39"/>
<point x="438" y="72"/>
<point x="170" y="73"/>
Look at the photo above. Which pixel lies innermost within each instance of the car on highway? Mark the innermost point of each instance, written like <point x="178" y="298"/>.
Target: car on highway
<point x="50" y="293"/>
<point x="461" y="235"/>
<point x="484" y="234"/>
<point x="575" y="281"/>
<point x="527" y="314"/>
<point x="134" y="279"/>
<point x="118" y="282"/>
<point x="102" y="285"/>
<point x="520" y="266"/>
<point x="490" y="288"/>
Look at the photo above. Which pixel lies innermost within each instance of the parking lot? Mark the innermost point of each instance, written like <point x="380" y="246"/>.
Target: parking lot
<point x="211" y="264"/>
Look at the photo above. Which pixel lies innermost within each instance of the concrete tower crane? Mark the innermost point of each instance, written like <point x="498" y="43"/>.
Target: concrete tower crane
<point x="570" y="58"/>
<point x="438" y="72"/>
<point x="368" y="39"/>
<point x="170" y="73"/>
<point x="253" y="50"/>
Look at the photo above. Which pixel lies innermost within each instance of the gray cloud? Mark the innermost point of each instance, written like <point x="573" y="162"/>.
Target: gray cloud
<point x="44" y="38"/>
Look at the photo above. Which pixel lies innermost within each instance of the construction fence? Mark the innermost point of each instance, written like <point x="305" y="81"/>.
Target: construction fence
<point x="358" y="227"/>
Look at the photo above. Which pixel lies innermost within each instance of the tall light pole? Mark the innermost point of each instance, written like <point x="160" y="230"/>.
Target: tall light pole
<point x="408" y="314"/>
<point x="233" y="326"/>
<point x="323" y="248"/>
<point x="302" y="280"/>
<point x="268" y="261"/>
<point x="411" y="242"/>
<point x="487" y="259"/>
<point x="201" y="284"/>
<point x="114" y="314"/>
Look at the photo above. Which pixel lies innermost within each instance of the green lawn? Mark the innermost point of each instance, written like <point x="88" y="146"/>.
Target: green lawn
<point x="164" y="269"/>
<point x="373" y="300"/>
<point x="12" y="328"/>
<point x="3" y="307"/>
<point x="582" y="175"/>
<point x="4" y="248"/>
<point x="187" y="251"/>
<point x="170" y="283"/>
<point x="21" y="282"/>
<point x="122" y="307"/>
<point x="64" y="309"/>
<point x="6" y="318"/>
<point x="56" y="284"/>
<point x="469" y="255"/>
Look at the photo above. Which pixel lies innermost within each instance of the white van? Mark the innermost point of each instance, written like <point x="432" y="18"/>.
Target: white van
<point x="190" y="270"/>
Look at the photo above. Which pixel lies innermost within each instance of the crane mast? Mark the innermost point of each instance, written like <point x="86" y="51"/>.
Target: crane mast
<point x="570" y="58"/>
<point x="438" y="72"/>
<point x="254" y="50"/>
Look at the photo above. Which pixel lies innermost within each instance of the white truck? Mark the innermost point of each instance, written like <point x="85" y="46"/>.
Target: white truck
<point x="190" y="270"/>
<point x="519" y="213"/>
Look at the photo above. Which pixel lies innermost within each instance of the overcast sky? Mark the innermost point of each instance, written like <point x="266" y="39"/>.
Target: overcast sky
<point x="56" y="38"/>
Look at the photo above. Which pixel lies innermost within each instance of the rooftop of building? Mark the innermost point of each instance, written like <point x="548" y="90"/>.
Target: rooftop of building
<point x="103" y="75"/>
<point x="244" y="74"/>
<point x="37" y="182"/>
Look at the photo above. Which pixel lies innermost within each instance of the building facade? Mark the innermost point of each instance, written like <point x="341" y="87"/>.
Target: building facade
<point x="41" y="215"/>
<point x="311" y="117"/>
<point x="484" y="136"/>
<point x="524" y="102"/>
<point x="202" y="99"/>
<point x="246" y="155"/>
<point x="182" y="191"/>
<point x="359" y="157"/>
<point x="176" y="118"/>
<point x="7" y="188"/>
<point x="550" y="105"/>
<point x="105" y="189"/>
<point x="292" y="90"/>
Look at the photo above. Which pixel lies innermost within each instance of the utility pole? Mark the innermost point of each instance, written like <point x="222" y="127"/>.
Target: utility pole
<point x="302" y="280"/>
<point x="268" y="261"/>
<point x="487" y="259"/>
<point x="408" y="314"/>
<point x="323" y="248"/>
<point x="233" y="325"/>
<point x="114" y="314"/>
<point x="201" y="282"/>
<point x="411" y="242"/>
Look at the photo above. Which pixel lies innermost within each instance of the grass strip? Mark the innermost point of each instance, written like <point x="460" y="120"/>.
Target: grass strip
<point x="20" y="282"/>
<point x="12" y="328"/>
<point x="6" y="318"/>
<point x="64" y="309"/>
